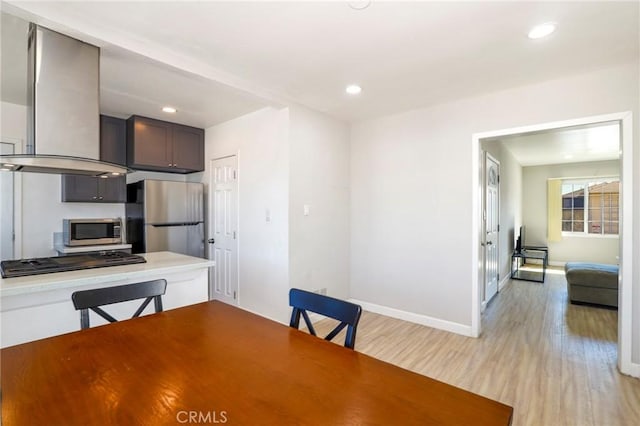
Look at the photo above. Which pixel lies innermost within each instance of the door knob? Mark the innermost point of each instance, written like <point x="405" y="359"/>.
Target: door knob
<point x="211" y="241"/>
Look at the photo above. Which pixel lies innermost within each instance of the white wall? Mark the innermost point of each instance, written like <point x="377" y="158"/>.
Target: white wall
<point x="410" y="213"/>
<point x="319" y="178"/>
<point x="569" y="249"/>
<point x="261" y="141"/>
<point x="510" y="202"/>
<point x="411" y="210"/>
<point x="287" y="159"/>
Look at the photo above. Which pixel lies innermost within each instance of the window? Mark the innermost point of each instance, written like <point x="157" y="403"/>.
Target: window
<point x="591" y="206"/>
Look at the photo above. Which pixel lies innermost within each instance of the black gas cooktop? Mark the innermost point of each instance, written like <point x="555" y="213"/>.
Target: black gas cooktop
<point x="74" y="262"/>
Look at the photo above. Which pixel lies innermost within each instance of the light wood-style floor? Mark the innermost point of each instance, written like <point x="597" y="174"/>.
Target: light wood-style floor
<point x="553" y="362"/>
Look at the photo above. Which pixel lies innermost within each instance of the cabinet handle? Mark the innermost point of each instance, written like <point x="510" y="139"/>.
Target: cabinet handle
<point x="100" y="198"/>
<point x="94" y="198"/>
<point x="170" y="164"/>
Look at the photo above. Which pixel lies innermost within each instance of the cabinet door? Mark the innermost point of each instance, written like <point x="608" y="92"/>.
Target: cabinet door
<point x="112" y="190"/>
<point x="188" y="148"/>
<point x="113" y="140"/>
<point x="77" y="188"/>
<point x="149" y="144"/>
<point x="89" y="189"/>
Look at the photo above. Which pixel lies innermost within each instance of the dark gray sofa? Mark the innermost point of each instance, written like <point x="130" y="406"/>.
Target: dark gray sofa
<point x="592" y="283"/>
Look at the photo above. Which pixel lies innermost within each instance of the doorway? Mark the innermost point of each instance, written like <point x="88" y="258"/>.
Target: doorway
<point x="626" y="213"/>
<point x="223" y="229"/>
<point x="6" y="208"/>
<point x="10" y="205"/>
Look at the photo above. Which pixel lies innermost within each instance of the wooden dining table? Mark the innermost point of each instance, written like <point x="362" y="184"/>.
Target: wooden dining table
<point x="213" y="363"/>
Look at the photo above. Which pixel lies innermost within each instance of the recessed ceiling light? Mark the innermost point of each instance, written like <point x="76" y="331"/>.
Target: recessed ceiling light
<point x="353" y="89"/>
<point x="170" y="110"/>
<point x="542" y="30"/>
<point x="359" y="4"/>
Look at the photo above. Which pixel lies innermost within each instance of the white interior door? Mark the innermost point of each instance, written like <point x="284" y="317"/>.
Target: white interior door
<point x="492" y="227"/>
<point x="223" y="229"/>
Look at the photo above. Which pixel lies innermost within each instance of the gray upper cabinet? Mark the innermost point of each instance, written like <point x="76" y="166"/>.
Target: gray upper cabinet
<point x="88" y="189"/>
<point x="164" y="147"/>
<point x="113" y="140"/>
<point x="149" y="144"/>
<point x="188" y="148"/>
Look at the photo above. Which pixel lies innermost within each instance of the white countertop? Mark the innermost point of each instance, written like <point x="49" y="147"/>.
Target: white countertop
<point x="163" y="261"/>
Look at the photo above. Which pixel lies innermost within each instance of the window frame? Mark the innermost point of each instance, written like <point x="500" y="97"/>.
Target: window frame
<point x="585" y="182"/>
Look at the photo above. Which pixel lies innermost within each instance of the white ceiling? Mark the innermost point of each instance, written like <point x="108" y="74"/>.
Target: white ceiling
<point x="133" y="84"/>
<point x="405" y="55"/>
<point x="569" y="145"/>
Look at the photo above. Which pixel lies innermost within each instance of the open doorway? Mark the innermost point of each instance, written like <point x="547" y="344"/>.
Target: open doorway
<point x="625" y="247"/>
<point x="10" y="205"/>
<point x="6" y="208"/>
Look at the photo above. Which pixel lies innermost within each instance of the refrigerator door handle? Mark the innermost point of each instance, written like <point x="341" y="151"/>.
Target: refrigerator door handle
<point x="164" y="225"/>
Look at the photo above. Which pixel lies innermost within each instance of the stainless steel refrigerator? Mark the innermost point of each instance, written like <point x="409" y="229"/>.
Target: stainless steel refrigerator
<point x="165" y="216"/>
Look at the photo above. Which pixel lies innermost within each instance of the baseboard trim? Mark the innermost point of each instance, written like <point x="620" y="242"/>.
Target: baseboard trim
<point x="260" y="314"/>
<point x="440" y="324"/>
<point x="506" y="280"/>
<point x="634" y="370"/>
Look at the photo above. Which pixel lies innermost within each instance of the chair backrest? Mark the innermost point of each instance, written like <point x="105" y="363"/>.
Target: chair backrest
<point x="347" y="313"/>
<point x="92" y="299"/>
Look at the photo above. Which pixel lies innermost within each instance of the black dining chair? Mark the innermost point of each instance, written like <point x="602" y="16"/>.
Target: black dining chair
<point x="347" y="313"/>
<point x="92" y="299"/>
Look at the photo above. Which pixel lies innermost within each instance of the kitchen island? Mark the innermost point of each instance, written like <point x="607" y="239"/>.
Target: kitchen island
<point x="39" y="306"/>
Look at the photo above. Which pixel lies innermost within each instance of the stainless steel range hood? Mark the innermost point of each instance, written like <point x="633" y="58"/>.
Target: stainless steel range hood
<point x="59" y="164"/>
<point x="63" y="132"/>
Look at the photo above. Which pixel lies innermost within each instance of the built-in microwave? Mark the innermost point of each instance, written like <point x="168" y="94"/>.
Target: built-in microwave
<point x="88" y="232"/>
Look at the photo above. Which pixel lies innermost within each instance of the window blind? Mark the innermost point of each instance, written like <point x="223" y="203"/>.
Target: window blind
<point x="554" y="210"/>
